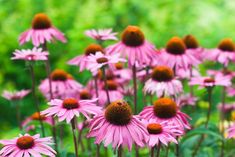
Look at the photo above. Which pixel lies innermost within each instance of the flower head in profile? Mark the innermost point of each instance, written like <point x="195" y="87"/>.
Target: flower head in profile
<point x="176" y="55"/>
<point x="101" y="34"/>
<point x="37" y="117"/>
<point x="186" y="99"/>
<point x="166" y="109"/>
<point x="17" y="95"/>
<point x="230" y="91"/>
<point x="26" y="146"/>
<point x="63" y="85"/>
<point x="99" y="60"/>
<point x="134" y="46"/>
<point x="68" y="108"/>
<point x="30" y="55"/>
<point x="81" y="60"/>
<point x="231" y="131"/>
<point x="161" y="132"/>
<point x="162" y="82"/>
<point x="42" y="31"/>
<point x="117" y="126"/>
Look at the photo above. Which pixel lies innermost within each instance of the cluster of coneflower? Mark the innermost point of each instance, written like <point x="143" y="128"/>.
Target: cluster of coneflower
<point x="134" y="98"/>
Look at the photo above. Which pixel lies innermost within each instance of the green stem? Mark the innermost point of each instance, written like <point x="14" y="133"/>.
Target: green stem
<point x="105" y="83"/>
<point x="73" y="125"/>
<point x="135" y="88"/>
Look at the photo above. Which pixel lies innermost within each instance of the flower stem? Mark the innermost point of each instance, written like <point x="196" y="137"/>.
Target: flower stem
<point x="105" y="83"/>
<point x="96" y="88"/>
<point x="73" y="125"/>
<point x="120" y="151"/>
<point x="152" y="152"/>
<point x="158" y="149"/>
<point x="135" y="88"/>
<point x="222" y="121"/>
<point x="97" y="150"/>
<point x="35" y="97"/>
<point x="18" y="115"/>
<point x="191" y="87"/>
<point x="167" y="151"/>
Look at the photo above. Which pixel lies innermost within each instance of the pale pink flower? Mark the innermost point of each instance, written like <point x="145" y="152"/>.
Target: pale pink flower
<point x="117" y="126"/>
<point x="26" y="146"/>
<point x="225" y="72"/>
<point x="186" y="99"/>
<point x="42" y="31"/>
<point x="30" y="55"/>
<point x="37" y="117"/>
<point x="17" y="95"/>
<point x="230" y="91"/>
<point x="226" y="107"/>
<point x="69" y="108"/>
<point x="161" y="132"/>
<point x="134" y="47"/>
<point x="162" y="82"/>
<point x="231" y="131"/>
<point x="187" y="73"/>
<point x="165" y="109"/>
<point x="101" y="34"/>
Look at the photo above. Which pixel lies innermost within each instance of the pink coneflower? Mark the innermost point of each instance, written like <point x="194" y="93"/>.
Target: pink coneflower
<point x="226" y="107"/>
<point x="17" y="95"/>
<point x="26" y="146"/>
<point x="218" y="80"/>
<point x="101" y="34"/>
<point x="231" y="131"/>
<point x="161" y="133"/>
<point x="175" y="55"/>
<point x="187" y="73"/>
<point x="114" y="90"/>
<point x="186" y="99"/>
<point x="42" y="31"/>
<point x="230" y="91"/>
<point x="62" y="84"/>
<point x="165" y="109"/>
<point x="99" y="60"/>
<point x="81" y="60"/>
<point x="37" y="117"/>
<point x="122" y="75"/>
<point x="30" y="55"/>
<point x="68" y="108"/>
<point x="117" y="126"/>
<point x="224" y="53"/>
<point x="162" y="82"/>
<point x="134" y="46"/>
<point x="224" y="72"/>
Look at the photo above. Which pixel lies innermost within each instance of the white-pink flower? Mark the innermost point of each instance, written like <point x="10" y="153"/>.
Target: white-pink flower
<point x="101" y="34"/>
<point x="231" y="131"/>
<point x="17" y="95"/>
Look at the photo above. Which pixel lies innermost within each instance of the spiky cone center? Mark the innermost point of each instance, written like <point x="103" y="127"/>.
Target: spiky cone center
<point x="85" y="95"/>
<point x="226" y="45"/>
<point x="118" y="113"/>
<point x="25" y="142"/>
<point x="227" y="72"/>
<point x="111" y="85"/>
<point x="209" y="80"/>
<point x="102" y="60"/>
<point x="109" y="75"/>
<point x="93" y="48"/>
<point x="41" y="21"/>
<point x="162" y="74"/>
<point x="70" y="103"/>
<point x="154" y="128"/>
<point x="176" y="46"/>
<point x="37" y="116"/>
<point x="119" y="66"/>
<point x="165" y="108"/>
<point x="59" y="75"/>
<point x="191" y="42"/>
<point x="132" y="36"/>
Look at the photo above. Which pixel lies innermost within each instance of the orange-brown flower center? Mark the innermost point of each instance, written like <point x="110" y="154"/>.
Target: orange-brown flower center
<point x="93" y="48"/>
<point x="175" y="46"/>
<point x="70" y="103"/>
<point x="118" y="113"/>
<point x="102" y="60"/>
<point x="162" y="74"/>
<point x="132" y="36"/>
<point x="41" y="21"/>
<point x="209" y="80"/>
<point x="154" y="128"/>
<point x="37" y="116"/>
<point x="59" y="75"/>
<point x="119" y="66"/>
<point x="190" y="41"/>
<point x="165" y="108"/>
<point x="84" y="95"/>
<point x="25" y="142"/>
<point x="112" y="85"/>
<point x="226" y="45"/>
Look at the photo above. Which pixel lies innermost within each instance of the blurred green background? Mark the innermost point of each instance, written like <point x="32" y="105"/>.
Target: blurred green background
<point x="208" y="20"/>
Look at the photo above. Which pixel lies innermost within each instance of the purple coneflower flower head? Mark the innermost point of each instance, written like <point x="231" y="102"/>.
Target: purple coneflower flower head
<point x="218" y="80"/>
<point x="224" y="72"/>
<point x="162" y="82"/>
<point x="17" y="95"/>
<point x="161" y="133"/>
<point x="42" y="31"/>
<point x="122" y="75"/>
<point x="81" y="60"/>
<point x="26" y="146"/>
<point x="226" y="108"/>
<point x="63" y="85"/>
<point x="99" y="60"/>
<point x="186" y="100"/>
<point x="231" y="131"/>
<point x="37" y="117"/>
<point x="187" y="73"/>
<point x="101" y="34"/>
<point x="165" y="109"/>
<point x="134" y="46"/>
<point x="69" y="108"/>
<point x="230" y="91"/>
<point x="30" y="55"/>
<point x="117" y="126"/>
<point x="176" y="55"/>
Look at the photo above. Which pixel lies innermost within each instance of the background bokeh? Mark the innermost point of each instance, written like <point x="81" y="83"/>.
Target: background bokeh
<point x="208" y="20"/>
